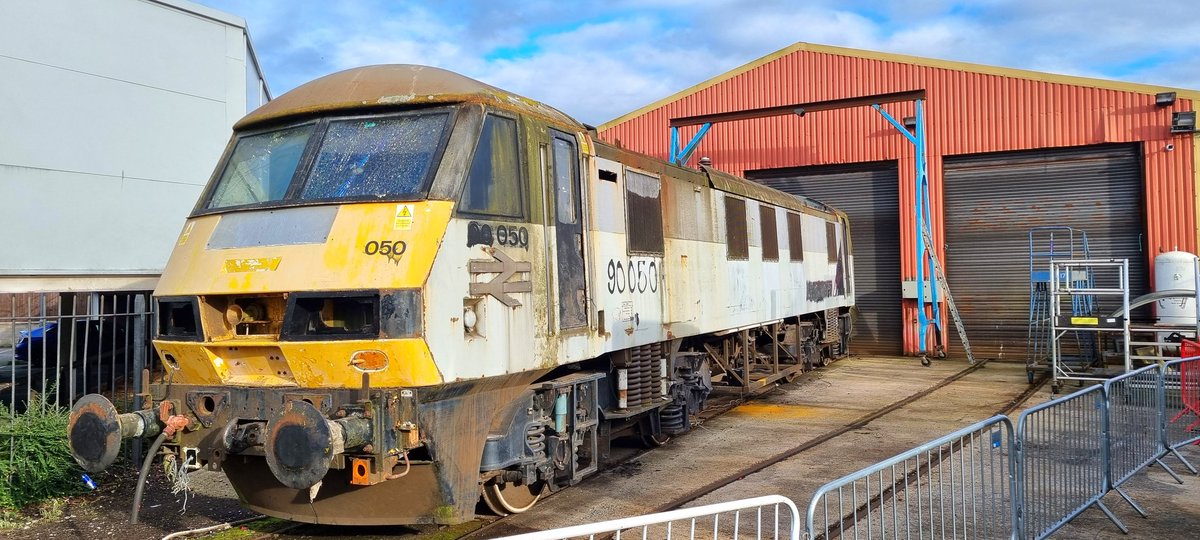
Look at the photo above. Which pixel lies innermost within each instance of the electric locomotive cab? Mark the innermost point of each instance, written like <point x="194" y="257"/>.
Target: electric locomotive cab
<point x="339" y="322"/>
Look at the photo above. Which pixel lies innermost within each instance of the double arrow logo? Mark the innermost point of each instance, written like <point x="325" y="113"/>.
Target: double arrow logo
<point x="505" y="267"/>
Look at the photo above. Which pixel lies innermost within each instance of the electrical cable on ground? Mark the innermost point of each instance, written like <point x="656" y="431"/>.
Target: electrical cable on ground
<point x="211" y="529"/>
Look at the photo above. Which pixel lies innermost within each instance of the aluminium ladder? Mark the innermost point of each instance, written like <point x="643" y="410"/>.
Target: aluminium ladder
<point x="958" y="323"/>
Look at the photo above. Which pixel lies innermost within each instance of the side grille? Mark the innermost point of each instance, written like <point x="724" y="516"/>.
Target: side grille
<point x="833" y="325"/>
<point x="645" y="380"/>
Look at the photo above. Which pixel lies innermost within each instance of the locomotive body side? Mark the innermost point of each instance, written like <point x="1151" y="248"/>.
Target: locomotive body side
<point x="404" y="289"/>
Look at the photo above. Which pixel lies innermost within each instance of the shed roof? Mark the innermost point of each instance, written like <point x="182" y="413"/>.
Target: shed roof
<point x="906" y="59"/>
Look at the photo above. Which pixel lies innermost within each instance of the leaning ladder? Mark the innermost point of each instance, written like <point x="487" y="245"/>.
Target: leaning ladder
<point x="941" y="276"/>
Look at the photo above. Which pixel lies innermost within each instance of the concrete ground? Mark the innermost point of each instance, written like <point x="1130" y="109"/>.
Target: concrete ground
<point x="822" y="402"/>
<point x="831" y="401"/>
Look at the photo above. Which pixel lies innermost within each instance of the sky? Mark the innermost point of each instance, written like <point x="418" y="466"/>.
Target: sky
<point x="598" y="60"/>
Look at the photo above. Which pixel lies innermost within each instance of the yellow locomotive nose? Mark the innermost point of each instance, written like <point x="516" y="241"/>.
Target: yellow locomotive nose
<point x="244" y="304"/>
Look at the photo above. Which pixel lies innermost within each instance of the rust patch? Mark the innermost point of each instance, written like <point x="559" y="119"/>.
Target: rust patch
<point x="94" y="433"/>
<point x="374" y="87"/>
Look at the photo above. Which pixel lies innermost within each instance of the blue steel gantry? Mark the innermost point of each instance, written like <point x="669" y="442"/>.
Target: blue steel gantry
<point x="929" y="271"/>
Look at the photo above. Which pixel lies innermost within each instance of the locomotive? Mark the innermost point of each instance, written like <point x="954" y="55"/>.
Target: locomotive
<point x="404" y="292"/>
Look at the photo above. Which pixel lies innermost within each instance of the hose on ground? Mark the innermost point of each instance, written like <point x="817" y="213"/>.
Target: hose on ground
<point x="141" y="483"/>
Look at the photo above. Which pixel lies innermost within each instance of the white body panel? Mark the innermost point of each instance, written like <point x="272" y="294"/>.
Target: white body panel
<point x="635" y="299"/>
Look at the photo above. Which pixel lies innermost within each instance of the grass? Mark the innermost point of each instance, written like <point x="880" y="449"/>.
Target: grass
<point x="35" y="461"/>
<point x="252" y="529"/>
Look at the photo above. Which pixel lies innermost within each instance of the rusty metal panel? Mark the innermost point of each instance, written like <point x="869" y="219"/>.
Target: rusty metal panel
<point x="770" y="233"/>
<point x="992" y="200"/>
<point x="967" y="113"/>
<point x="737" y="239"/>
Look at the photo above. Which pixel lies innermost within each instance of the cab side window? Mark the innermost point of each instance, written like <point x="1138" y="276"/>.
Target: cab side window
<point x="494" y="184"/>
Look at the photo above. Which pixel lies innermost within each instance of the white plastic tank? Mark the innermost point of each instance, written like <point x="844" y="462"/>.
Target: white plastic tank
<point x="1174" y="270"/>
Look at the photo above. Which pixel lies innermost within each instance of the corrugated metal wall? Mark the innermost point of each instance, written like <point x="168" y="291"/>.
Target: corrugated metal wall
<point x="867" y="193"/>
<point x="992" y="200"/>
<point x="967" y="113"/>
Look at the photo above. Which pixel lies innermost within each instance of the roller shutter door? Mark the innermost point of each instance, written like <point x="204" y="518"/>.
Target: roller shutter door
<point x="869" y="195"/>
<point x="992" y="200"/>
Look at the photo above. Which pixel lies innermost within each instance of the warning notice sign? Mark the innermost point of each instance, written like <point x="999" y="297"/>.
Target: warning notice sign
<point x="404" y="217"/>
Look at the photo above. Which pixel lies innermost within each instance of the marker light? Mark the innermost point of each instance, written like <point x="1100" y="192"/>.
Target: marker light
<point x="469" y="318"/>
<point x="369" y="361"/>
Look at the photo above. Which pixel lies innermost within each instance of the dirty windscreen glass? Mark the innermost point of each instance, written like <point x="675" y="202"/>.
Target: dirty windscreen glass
<point x="375" y="157"/>
<point x="261" y="167"/>
<point x="494" y="184"/>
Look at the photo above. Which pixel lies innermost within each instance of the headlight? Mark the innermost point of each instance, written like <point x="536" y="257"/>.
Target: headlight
<point x="332" y="315"/>
<point x="179" y="319"/>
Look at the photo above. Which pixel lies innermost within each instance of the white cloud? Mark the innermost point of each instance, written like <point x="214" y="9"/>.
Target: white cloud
<point x="596" y="61"/>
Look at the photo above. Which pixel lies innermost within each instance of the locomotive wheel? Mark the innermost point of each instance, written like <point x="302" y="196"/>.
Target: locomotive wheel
<point x="509" y="498"/>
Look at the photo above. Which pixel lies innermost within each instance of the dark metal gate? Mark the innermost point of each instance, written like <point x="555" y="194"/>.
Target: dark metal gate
<point x="991" y="202"/>
<point x="869" y="194"/>
<point x="57" y="347"/>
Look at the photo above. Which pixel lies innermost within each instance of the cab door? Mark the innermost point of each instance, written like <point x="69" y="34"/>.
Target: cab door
<point x="563" y="165"/>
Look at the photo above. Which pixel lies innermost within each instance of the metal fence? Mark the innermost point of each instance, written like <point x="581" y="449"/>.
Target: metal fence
<point x="57" y="347"/>
<point x="957" y="486"/>
<point x="1067" y="455"/>
<point x="1061" y="461"/>
<point x="1181" y="406"/>
<point x="990" y="480"/>
<point x="1134" y="405"/>
<point x="772" y="516"/>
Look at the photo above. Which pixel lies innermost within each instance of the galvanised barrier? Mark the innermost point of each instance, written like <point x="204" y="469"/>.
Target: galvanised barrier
<point x="1181" y="405"/>
<point x="956" y="486"/>
<point x="1067" y="455"/>
<point x="772" y="516"/>
<point x="1135" y="421"/>
<point x="1062" y="462"/>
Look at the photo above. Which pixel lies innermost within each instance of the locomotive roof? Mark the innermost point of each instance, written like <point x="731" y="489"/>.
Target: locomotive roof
<point x="391" y="85"/>
<point x="716" y="179"/>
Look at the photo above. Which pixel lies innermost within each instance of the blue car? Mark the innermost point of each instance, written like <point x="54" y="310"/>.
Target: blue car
<point x="100" y="353"/>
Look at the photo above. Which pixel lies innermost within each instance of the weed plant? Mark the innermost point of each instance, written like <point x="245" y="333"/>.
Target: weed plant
<point x="35" y="460"/>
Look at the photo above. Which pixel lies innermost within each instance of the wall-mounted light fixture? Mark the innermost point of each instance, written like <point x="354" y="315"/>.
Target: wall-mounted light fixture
<point x="799" y="111"/>
<point x="1164" y="99"/>
<point x="1183" y="122"/>
<point x="909" y="122"/>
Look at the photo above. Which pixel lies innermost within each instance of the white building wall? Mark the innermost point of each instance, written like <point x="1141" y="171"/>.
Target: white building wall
<point x="112" y="117"/>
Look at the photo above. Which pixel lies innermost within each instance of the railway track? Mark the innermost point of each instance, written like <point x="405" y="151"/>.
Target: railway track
<point x="490" y="527"/>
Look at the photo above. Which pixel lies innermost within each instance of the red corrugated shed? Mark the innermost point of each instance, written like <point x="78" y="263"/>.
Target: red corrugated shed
<point x="970" y="109"/>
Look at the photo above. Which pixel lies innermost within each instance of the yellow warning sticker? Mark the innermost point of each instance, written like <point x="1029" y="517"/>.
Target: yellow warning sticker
<point x="259" y="264"/>
<point x="404" y="217"/>
<point x="1089" y="321"/>
<point x="187" y="232"/>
